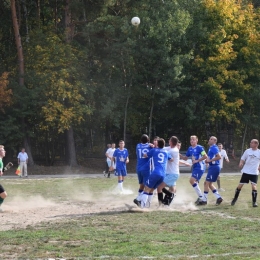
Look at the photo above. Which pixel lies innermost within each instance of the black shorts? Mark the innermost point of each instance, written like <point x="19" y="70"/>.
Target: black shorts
<point x="248" y="177"/>
<point x="1" y="189"/>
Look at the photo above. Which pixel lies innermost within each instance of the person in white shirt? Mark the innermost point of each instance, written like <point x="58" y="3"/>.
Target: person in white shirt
<point x="223" y="154"/>
<point x="22" y="162"/>
<point x="109" y="154"/>
<point x="250" y="164"/>
<point x="172" y="174"/>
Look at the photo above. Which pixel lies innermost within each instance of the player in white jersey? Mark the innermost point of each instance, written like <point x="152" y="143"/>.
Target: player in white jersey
<point x="109" y="154"/>
<point x="223" y="155"/>
<point x="250" y="164"/>
<point x="172" y="174"/>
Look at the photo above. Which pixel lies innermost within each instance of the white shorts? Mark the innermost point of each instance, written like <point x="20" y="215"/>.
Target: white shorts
<point x="170" y="179"/>
<point x="109" y="163"/>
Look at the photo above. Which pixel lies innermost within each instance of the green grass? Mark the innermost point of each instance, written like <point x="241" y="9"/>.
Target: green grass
<point x="220" y="232"/>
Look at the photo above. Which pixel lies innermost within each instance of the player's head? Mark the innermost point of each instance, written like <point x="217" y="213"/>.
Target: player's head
<point x="155" y="141"/>
<point x="108" y="145"/>
<point x="144" y="139"/>
<point x="23" y="150"/>
<point x="220" y="146"/>
<point x="173" y="141"/>
<point x="2" y="151"/>
<point x="212" y="140"/>
<point x="193" y="140"/>
<point x="121" y="144"/>
<point x="113" y="145"/>
<point x="179" y="145"/>
<point x="161" y="142"/>
<point x="254" y="144"/>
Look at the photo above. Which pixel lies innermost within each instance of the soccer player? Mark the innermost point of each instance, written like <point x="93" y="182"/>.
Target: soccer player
<point x="172" y="174"/>
<point x="159" y="156"/>
<point x="109" y="154"/>
<point x="223" y="155"/>
<point x="143" y="163"/>
<point x="198" y="155"/>
<point x="250" y="168"/>
<point x="121" y="158"/>
<point x="3" y="193"/>
<point x="213" y="172"/>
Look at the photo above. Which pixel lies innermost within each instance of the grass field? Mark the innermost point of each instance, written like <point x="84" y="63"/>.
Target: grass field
<point x="85" y="218"/>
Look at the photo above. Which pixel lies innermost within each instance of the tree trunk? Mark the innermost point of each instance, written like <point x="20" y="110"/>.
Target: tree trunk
<point x="71" y="151"/>
<point x="151" y="117"/>
<point x="18" y="43"/>
<point x="19" y="48"/>
<point x="126" y="108"/>
<point x="70" y="142"/>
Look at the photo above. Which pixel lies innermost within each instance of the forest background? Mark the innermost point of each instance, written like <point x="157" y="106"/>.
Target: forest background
<point x="76" y="74"/>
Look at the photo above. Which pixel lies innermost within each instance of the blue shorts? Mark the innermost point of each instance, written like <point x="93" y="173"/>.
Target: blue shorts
<point x="120" y="172"/>
<point x="213" y="173"/>
<point x="154" y="180"/>
<point x="197" y="174"/>
<point x="170" y="179"/>
<point x="143" y="176"/>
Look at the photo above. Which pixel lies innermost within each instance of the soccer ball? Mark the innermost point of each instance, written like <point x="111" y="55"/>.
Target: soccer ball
<point x="135" y="21"/>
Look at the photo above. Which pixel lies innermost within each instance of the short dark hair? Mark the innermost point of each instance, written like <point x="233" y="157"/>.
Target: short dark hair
<point x="156" y="138"/>
<point x="144" y="139"/>
<point x="174" y="140"/>
<point x="161" y="142"/>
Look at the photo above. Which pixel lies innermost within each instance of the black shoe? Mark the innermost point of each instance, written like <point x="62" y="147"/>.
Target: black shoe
<point x="233" y="202"/>
<point x="255" y="204"/>
<point x="219" y="200"/>
<point x="137" y="202"/>
<point x="197" y="201"/>
<point x="201" y="203"/>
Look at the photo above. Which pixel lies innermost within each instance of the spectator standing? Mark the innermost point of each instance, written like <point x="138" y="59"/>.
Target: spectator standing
<point x="22" y="162"/>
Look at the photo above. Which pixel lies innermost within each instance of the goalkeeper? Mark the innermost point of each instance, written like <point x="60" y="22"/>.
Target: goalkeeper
<point x="3" y="193"/>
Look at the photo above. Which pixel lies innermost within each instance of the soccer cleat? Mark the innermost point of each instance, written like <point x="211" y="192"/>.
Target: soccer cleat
<point x="197" y="201"/>
<point x="201" y="203"/>
<point x="254" y="205"/>
<point x="221" y="189"/>
<point x="137" y="202"/>
<point x="233" y="202"/>
<point x="219" y="200"/>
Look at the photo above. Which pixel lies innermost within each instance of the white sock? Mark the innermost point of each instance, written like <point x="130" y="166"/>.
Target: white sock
<point x="144" y="199"/>
<point x="197" y="189"/>
<point x="217" y="195"/>
<point x="205" y="196"/>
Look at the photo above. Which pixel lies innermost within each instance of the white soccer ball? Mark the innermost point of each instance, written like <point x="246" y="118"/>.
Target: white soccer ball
<point x="135" y="21"/>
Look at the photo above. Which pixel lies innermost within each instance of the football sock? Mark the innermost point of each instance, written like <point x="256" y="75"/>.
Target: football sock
<point x="254" y="195"/>
<point x="160" y="197"/>
<point x="120" y="184"/>
<point x="150" y="197"/>
<point x="144" y="199"/>
<point x="197" y="189"/>
<point x="218" y="183"/>
<point x="1" y="201"/>
<point x="237" y="193"/>
<point x="205" y="197"/>
<point x="167" y="192"/>
<point x="217" y="195"/>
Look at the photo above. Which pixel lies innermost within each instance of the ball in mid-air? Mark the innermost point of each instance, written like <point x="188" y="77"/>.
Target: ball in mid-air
<point x="135" y="21"/>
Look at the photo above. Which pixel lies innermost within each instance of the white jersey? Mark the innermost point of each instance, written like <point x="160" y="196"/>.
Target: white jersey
<point x="252" y="160"/>
<point x="173" y="167"/>
<point x="110" y="152"/>
<point x="223" y="154"/>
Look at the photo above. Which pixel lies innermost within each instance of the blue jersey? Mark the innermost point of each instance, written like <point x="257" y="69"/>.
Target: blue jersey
<point x="196" y="153"/>
<point x="213" y="151"/>
<point x="121" y="156"/>
<point x="142" y="163"/>
<point x="159" y="158"/>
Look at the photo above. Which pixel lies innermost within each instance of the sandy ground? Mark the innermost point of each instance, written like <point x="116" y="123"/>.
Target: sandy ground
<point x="20" y="213"/>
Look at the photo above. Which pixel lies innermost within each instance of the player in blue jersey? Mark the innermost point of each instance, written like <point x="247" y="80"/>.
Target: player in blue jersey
<point x="213" y="172"/>
<point x="159" y="156"/>
<point x="198" y="156"/>
<point x="143" y="163"/>
<point x="121" y="158"/>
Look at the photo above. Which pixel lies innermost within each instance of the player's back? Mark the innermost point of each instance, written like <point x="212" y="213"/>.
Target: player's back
<point x="160" y="158"/>
<point x="142" y="149"/>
